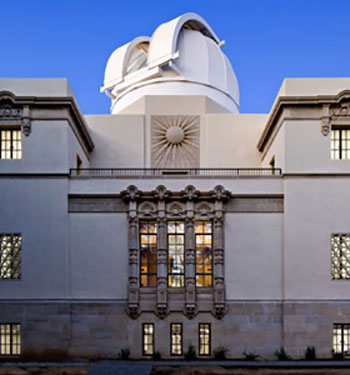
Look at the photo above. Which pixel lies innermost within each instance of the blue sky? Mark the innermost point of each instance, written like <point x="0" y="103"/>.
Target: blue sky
<point x="266" y="40"/>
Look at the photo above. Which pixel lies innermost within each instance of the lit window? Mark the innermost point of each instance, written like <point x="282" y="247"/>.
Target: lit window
<point x="341" y="338"/>
<point x="176" y="253"/>
<point x="204" y="256"/>
<point x="204" y="339"/>
<point x="148" y="253"/>
<point x="10" y="256"/>
<point x="341" y="256"/>
<point x="340" y="144"/>
<point x="10" y="144"/>
<point x="147" y="339"/>
<point x="10" y="339"/>
<point x="176" y="338"/>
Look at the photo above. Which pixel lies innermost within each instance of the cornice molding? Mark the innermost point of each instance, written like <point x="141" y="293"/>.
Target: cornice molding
<point x="284" y="101"/>
<point x="77" y="121"/>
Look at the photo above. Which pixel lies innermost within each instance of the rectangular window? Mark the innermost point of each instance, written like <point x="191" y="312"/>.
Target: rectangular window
<point x="204" y="339"/>
<point x="147" y="339"/>
<point x="341" y="338"/>
<point x="10" y="339"/>
<point x="10" y="256"/>
<point x="176" y="253"/>
<point x="204" y="254"/>
<point x="148" y="253"/>
<point x="10" y="144"/>
<point x="340" y="144"/>
<point x="176" y="338"/>
<point x="340" y="256"/>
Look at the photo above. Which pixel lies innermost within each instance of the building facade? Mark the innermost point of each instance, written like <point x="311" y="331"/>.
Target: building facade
<point x="175" y="220"/>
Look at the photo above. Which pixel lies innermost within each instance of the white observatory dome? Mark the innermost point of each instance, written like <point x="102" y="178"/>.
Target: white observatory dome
<point x="183" y="57"/>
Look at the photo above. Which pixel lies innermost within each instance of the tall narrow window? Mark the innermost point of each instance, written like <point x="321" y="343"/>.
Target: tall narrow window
<point x="10" y="339"/>
<point x="147" y="339"/>
<point x="340" y="144"/>
<point x="10" y="144"/>
<point x="204" y="254"/>
<point x="10" y="256"/>
<point x="148" y="253"/>
<point x="176" y="253"/>
<point x="341" y="256"/>
<point x="176" y="338"/>
<point x="341" y="338"/>
<point x="204" y="339"/>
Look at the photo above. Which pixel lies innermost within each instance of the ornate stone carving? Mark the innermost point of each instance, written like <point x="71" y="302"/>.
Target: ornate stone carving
<point x="341" y="109"/>
<point x="175" y="209"/>
<point x="190" y="310"/>
<point x="162" y="310"/>
<point x="131" y="193"/>
<point x="204" y="209"/>
<point x="8" y="111"/>
<point x="161" y="192"/>
<point x="27" y="126"/>
<point x="220" y="193"/>
<point x="325" y="126"/>
<point x="14" y="114"/>
<point x="190" y="192"/>
<point x="133" y="310"/>
<point x="147" y="209"/>
<point x="175" y="141"/>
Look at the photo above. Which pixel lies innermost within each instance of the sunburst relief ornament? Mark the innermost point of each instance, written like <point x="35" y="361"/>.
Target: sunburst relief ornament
<point x="175" y="141"/>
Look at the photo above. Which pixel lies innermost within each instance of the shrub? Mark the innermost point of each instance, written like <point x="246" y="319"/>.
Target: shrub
<point x="220" y="352"/>
<point x="337" y="355"/>
<point x="250" y="356"/>
<point x="310" y="353"/>
<point x="156" y="356"/>
<point x="190" y="353"/>
<point x="281" y="354"/>
<point x="124" y="353"/>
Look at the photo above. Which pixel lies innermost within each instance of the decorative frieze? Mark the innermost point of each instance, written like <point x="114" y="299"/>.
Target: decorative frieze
<point x="15" y="114"/>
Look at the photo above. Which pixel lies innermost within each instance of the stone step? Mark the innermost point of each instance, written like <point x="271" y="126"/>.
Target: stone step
<point x="119" y="368"/>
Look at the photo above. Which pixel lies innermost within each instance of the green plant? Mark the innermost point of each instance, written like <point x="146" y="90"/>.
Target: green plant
<point x="281" y="354"/>
<point x="250" y="356"/>
<point x="156" y="356"/>
<point x="220" y="352"/>
<point x="337" y="355"/>
<point x="310" y="353"/>
<point x="124" y="353"/>
<point x="190" y="353"/>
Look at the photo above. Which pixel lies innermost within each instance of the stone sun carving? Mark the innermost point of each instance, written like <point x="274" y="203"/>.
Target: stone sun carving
<point x="175" y="141"/>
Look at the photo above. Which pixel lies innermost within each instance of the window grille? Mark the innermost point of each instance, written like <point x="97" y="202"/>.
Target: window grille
<point x="176" y="338"/>
<point x="204" y="339"/>
<point x="148" y="254"/>
<point x="10" y="339"/>
<point x="204" y="255"/>
<point x="147" y="339"/>
<point x="341" y="338"/>
<point x="340" y="256"/>
<point x="176" y="253"/>
<point x="340" y="144"/>
<point x="10" y="256"/>
<point x="10" y="144"/>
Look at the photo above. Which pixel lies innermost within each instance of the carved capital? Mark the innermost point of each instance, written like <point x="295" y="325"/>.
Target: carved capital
<point x="162" y="310"/>
<point x="190" y="192"/>
<point x="161" y="192"/>
<point x="219" y="310"/>
<point x="131" y="193"/>
<point x="219" y="193"/>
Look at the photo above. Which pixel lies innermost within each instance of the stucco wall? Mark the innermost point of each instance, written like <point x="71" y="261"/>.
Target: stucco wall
<point x="37" y="209"/>
<point x="98" y="255"/>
